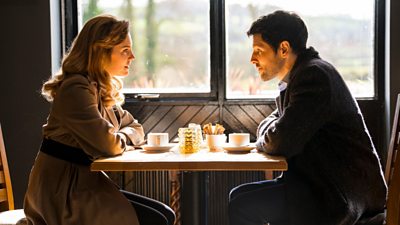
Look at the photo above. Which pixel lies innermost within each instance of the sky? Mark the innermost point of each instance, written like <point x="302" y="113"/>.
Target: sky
<point x="358" y="9"/>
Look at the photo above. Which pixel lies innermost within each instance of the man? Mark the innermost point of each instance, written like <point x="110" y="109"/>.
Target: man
<point x="334" y="175"/>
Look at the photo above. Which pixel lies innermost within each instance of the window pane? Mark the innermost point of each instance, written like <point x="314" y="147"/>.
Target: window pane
<point x="170" y="42"/>
<point x="341" y="31"/>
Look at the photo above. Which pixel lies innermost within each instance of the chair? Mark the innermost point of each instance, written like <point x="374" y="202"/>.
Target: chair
<point x="145" y="204"/>
<point x="393" y="202"/>
<point x="392" y="177"/>
<point x="392" y="172"/>
<point x="8" y="215"/>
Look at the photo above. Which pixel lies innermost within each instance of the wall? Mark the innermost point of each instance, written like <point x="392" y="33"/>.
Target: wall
<point x="25" y="61"/>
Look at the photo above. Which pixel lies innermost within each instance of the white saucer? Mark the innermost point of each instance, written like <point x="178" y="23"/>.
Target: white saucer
<point x="232" y="148"/>
<point x="153" y="148"/>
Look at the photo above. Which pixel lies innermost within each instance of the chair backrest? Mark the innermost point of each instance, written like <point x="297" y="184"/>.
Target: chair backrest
<point x="393" y="201"/>
<point x="394" y="143"/>
<point x="392" y="171"/>
<point x="6" y="194"/>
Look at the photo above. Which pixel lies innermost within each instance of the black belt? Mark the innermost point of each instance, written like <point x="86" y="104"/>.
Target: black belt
<point x="65" y="152"/>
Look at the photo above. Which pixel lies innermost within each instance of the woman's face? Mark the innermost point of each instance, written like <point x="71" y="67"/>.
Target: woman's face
<point x="121" y="58"/>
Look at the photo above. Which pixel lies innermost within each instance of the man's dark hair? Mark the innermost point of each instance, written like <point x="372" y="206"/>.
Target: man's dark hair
<point x="281" y="26"/>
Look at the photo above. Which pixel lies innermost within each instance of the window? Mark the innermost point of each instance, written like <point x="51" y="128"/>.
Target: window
<point x="174" y="42"/>
<point x="170" y="41"/>
<point x="341" y="31"/>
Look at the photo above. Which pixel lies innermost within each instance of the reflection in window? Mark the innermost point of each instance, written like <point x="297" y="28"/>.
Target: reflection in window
<point x="341" y="30"/>
<point x="170" y="42"/>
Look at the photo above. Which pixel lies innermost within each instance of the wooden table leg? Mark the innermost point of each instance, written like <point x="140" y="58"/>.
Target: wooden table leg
<point x="175" y="196"/>
<point x="269" y="175"/>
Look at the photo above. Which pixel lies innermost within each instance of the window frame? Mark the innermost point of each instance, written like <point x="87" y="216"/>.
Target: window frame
<point x="218" y="56"/>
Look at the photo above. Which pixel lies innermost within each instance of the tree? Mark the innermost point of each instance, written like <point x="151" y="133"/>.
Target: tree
<point x="151" y="37"/>
<point x="91" y="10"/>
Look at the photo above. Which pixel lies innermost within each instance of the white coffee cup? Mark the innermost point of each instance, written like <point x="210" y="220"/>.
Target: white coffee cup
<point x="157" y="139"/>
<point x="239" y="139"/>
<point x="215" y="141"/>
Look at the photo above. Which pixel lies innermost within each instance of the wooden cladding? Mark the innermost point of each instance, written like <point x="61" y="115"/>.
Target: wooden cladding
<point x="169" y="118"/>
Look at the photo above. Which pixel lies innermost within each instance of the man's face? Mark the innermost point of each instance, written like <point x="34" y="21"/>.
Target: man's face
<point x="268" y="63"/>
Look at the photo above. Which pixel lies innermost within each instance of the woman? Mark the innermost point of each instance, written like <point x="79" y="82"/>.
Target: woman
<point x="86" y="122"/>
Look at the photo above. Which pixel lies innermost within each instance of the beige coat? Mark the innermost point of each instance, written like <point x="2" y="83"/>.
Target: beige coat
<point x="63" y="193"/>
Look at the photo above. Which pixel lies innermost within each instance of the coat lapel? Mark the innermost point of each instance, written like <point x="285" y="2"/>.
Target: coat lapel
<point x="107" y="112"/>
<point x="111" y="115"/>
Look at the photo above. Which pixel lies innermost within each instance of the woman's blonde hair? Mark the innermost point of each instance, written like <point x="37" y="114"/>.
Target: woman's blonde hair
<point x="89" y="53"/>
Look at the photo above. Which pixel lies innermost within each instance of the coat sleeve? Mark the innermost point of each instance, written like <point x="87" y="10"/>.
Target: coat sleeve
<point x="76" y="106"/>
<point x="130" y="127"/>
<point x="263" y="127"/>
<point x="306" y="112"/>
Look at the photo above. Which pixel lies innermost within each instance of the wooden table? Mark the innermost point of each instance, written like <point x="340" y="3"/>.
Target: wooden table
<point x="140" y="160"/>
<point x="204" y="160"/>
